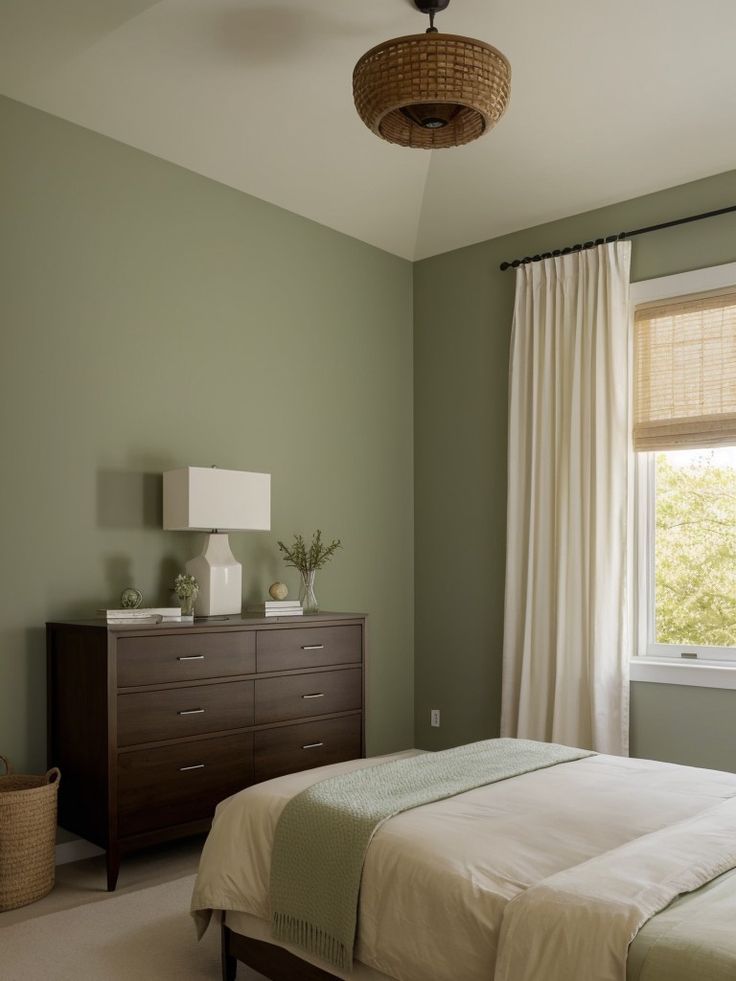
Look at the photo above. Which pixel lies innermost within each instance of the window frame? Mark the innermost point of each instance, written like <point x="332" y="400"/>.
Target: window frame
<point x="714" y="667"/>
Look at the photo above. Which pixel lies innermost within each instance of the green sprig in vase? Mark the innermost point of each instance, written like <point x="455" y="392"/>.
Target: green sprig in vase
<point x="187" y="590"/>
<point x="307" y="561"/>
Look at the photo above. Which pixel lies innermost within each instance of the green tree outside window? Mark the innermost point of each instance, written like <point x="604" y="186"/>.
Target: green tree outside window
<point x="695" y="548"/>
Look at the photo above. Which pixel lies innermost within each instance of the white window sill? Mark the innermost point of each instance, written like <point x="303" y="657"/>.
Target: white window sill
<point x="668" y="671"/>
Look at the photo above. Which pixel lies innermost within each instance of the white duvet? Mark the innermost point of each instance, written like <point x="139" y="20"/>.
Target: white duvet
<point x="544" y="876"/>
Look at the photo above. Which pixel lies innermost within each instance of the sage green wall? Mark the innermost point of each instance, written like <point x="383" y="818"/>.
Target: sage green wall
<point x="696" y="726"/>
<point x="462" y="318"/>
<point x="150" y="319"/>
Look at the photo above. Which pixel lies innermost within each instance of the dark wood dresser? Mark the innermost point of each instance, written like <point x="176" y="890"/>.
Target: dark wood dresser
<point x="153" y="725"/>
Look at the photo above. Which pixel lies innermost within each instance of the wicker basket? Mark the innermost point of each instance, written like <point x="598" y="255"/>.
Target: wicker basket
<point x="27" y="836"/>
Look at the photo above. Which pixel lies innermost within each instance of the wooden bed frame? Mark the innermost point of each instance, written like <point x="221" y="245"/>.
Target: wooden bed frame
<point x="268" y="959"/>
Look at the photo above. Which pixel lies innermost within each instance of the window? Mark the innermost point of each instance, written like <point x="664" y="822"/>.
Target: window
<point x="684" y="435"/>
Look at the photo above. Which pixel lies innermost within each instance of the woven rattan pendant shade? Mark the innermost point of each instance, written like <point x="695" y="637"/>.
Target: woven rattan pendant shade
<point x="431" y="90"/>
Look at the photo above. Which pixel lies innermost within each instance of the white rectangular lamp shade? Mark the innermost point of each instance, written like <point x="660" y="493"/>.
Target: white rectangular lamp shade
<point x="205" y="499"/>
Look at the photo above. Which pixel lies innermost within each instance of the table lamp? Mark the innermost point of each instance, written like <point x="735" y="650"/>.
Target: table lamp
<point x="217" y="501"/>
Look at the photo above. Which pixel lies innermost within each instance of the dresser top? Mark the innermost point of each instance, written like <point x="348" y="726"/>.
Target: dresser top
<point x="210" y="623"/>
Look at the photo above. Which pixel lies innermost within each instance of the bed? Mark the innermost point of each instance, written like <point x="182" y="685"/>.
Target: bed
<point x="525" y="879"/>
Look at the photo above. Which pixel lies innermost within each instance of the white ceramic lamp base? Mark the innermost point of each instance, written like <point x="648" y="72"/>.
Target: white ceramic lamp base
<point x="220" y="578"/>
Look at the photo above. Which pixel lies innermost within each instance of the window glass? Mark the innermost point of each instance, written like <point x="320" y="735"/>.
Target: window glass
<point x="695" y="547"/>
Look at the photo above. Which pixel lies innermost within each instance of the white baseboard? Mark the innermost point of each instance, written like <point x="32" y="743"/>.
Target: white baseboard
<point x="73" y="851"/>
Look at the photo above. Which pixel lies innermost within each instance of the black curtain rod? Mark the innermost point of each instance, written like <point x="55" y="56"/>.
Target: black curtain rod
<point x="615" y="238"/>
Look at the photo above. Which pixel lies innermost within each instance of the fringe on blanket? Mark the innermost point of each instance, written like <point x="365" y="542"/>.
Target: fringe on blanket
<point x="312" y="939"/>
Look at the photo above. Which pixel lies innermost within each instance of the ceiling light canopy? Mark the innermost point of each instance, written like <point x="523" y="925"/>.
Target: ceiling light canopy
<point x="431" y="90"/>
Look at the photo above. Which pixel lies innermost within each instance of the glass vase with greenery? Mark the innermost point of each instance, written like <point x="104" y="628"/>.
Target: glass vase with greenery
<point x="307" y="560"/>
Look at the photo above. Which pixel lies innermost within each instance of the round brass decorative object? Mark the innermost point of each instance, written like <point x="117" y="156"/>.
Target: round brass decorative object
<point x="431" y="90"/>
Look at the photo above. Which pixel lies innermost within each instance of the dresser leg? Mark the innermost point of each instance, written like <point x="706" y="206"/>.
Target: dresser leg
<point x="229" y="963"/>
<point x="113" y="867"/>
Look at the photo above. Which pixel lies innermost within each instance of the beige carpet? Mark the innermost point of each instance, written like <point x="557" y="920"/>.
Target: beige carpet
<point x="146" y="935"/>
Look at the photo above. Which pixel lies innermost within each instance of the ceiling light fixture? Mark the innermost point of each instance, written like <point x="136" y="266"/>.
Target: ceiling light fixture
<point x="431" y="90"/>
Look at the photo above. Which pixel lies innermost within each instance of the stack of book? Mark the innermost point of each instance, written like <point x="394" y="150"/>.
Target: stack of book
<point x="164" y="614"/>
<point x="279" y="608"/>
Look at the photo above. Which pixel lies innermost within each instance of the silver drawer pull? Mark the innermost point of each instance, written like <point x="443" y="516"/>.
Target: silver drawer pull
<point x="313" y="647"/>
<point x="317" y="694"/>
<point x="191" y="657"/>
<point x="191" y="712"/>
<point x="195" y="766"/>
<point x="312" y="745"/>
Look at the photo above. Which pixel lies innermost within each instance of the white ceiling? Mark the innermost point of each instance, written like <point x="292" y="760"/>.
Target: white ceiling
<point x="609" y="100"/>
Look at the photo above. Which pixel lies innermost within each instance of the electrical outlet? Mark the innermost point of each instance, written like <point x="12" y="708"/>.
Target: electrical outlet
<point x="434" y="717"/>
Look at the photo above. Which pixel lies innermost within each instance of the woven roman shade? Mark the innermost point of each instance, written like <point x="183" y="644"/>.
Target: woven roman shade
<point x="685" y="372"/>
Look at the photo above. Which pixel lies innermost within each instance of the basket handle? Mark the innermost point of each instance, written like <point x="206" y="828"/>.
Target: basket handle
<point x="8" y="767"/>
<point x="53" y="775"/>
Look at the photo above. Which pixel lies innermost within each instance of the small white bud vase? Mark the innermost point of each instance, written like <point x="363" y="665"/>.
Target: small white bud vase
<point x="306" y="592"/>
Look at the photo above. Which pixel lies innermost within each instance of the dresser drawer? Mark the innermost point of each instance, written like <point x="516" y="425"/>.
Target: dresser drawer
<point x="310" y="647"/>
<point x="184" y="657"/>
<point x="300" y="747"/>
<point x="145" y="717"/>
<point x="176" y="784"/>
<point x="302" y="695"/>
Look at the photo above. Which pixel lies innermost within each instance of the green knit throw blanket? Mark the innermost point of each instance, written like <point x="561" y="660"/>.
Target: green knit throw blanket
<point x="323" y="833"/>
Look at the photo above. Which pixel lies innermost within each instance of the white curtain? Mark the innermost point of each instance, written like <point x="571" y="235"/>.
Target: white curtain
<point x="566" y="614"/>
